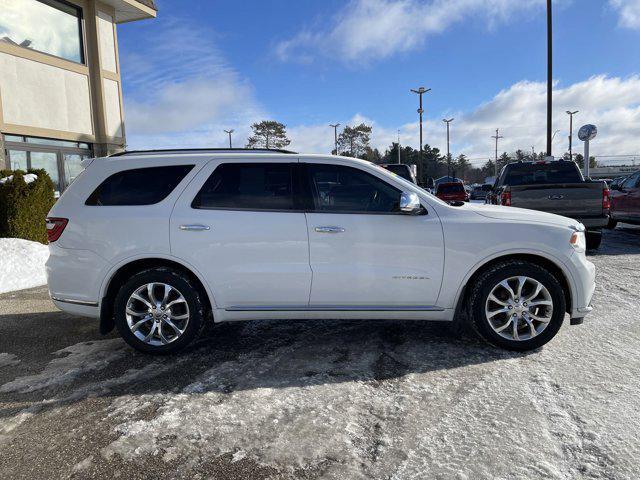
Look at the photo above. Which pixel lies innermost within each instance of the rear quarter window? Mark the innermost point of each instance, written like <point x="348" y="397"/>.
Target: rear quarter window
<point x="138" y="186"/>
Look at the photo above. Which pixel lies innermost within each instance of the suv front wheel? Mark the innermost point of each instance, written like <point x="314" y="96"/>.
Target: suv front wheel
<point x="517" y="305"/>
<point x="159" y="311"/>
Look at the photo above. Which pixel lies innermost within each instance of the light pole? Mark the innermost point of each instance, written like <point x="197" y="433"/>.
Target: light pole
<point x="448" y="154"/>
<point x="335" y="135"/>
<point x="549" y="75"/>
<point x="496" y="136"/>
<point x="420" y="91"/>
<point x="571" y="114"/>
<point x="229" y="132"/>
<point x="398" y="145"/>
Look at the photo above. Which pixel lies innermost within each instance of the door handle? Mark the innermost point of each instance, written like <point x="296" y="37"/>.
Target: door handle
<point x="329" y="229"/>
<point x="195" y="228"/>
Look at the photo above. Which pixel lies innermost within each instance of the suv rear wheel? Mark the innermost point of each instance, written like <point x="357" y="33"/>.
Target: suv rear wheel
<point x="517" y="305"/>
<point x="159" y="311"/>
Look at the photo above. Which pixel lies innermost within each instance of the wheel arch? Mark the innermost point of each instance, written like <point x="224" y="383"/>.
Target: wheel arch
<point x="126" y="268"/>
<point x="552" y="265"/>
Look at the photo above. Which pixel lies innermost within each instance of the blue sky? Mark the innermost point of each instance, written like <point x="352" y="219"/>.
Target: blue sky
<point x="225" y="64"/>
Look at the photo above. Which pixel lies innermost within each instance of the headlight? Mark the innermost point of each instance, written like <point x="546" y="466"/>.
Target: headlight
<point x="578" y="241"/>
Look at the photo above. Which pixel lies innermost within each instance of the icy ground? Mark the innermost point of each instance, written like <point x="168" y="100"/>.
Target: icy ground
<point x="21" y="264"/>
<point x="337" y="400"/>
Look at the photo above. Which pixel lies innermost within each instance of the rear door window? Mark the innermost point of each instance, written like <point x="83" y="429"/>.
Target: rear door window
<point x="248" y="186"/>
<point x="139" y="186"/>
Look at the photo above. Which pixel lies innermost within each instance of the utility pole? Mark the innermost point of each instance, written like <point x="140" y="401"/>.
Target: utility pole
<point x="335" y="135"/>
<point x="229" y="132"/>
<point x="420" y="91"/>
<point x="549" y="75"/>
<point x="496" y="136"/>
<point x="448" y="154"/>
<point x="398" y="145"/>
<point x="571" y="114"/>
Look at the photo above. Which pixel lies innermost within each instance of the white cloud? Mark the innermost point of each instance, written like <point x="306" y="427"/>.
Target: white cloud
<point x="629" y="11"/>
<point x="367" y="30"/>
<point x="613" y="104"/>
<point x="186" y="99"/>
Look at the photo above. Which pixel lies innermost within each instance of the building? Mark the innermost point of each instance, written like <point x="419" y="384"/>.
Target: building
<point x="60" y="86"/>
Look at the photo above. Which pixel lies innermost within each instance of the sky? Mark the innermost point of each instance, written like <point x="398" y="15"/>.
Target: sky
<point x="202" y="67"/>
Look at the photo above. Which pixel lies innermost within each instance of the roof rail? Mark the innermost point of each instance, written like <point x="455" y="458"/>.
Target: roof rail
<point x="201" y="150"/>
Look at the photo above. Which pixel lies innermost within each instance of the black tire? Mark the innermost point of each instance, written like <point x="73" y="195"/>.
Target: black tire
<point x="612" y="224"/>
<point x="180" y="282"/>
<point x="594" y="239"/>
<point x="485" y="283"/>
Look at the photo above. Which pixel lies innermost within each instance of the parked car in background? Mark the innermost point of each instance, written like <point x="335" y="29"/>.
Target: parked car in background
<point x="555" y="187"/>
<point x="402" y="170"/>
<point x="452" y="192"/>
<point x="159" y="243"/>
<point x="616" y="182"/>
<point x="480" y="192"/>
<point x="625" y="201"/>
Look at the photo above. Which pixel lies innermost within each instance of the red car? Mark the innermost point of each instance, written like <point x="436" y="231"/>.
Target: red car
<point x="452" y="192"/>
<point x="625" y="201"/>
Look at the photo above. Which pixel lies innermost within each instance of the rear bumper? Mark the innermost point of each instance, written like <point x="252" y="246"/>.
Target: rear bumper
<point x="74" y="278"/>
<point x="597" y="222"/>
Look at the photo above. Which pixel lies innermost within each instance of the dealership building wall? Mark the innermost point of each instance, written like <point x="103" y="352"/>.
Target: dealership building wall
<point x="60" y="83"/>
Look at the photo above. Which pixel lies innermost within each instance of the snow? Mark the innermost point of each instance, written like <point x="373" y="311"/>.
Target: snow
<point x="80" y="359"/>
<point x="28" y="178"/>
<point x="22" y="264"/>
<point x="8" y="359"/>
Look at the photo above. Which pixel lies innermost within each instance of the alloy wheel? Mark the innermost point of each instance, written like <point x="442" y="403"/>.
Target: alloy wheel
<point x="157" y="313"/>
<point x="519" y="308"/>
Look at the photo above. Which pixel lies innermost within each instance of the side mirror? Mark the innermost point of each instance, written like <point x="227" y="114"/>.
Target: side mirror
<point x="410" y="204"/>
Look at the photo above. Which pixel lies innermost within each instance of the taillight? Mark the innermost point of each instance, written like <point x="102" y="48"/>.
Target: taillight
<point x="505" y="198"/>
<point x="55" y="227"/>
<point x="606" y="199"/>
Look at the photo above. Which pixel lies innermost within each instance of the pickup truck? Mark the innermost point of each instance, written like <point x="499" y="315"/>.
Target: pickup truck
<point x="555" y="187"/>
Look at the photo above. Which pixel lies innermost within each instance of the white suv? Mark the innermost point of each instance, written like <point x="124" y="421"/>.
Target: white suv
<point x="159" y="242"/>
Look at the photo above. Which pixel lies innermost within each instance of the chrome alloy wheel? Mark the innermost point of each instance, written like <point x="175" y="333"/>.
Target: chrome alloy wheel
<point x="519" y="308"/>
<point x="157" y="314"/>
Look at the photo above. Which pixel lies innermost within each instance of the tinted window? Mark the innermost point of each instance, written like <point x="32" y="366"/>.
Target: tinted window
<point x="402" y="170"/>
<point x="631" y="181"/>
<point x="141" y="186"/>
<point x="250" y="186"/>
<point x="344" y="189"/>
<point x="450" y="188"/>
<point x="541" y="173"/>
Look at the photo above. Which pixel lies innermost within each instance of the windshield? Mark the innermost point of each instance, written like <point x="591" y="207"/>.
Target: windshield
<point x="542" y="173"/>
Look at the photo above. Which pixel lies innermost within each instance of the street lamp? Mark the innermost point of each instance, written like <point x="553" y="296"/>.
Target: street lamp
<point x="571" y="114"/>
<point x="229" y="132"/>
<point x="448" y="154"/>
<point x="420" y="91"/>
<point x="335" y="135"/>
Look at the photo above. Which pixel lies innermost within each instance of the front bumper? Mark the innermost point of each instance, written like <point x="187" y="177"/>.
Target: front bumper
<point x="584" y="276"/>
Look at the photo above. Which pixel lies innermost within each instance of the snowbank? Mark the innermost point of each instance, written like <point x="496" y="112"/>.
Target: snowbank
<point x="21" y="264"/>
<point x="28" y="178"/>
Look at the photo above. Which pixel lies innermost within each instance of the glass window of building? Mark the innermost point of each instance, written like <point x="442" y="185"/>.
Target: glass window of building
<point x="50" y="26"/>
<point x="61" y="159"/>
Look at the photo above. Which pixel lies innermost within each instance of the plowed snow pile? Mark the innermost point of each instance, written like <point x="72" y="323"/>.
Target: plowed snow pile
<point x="21" y="264"/>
